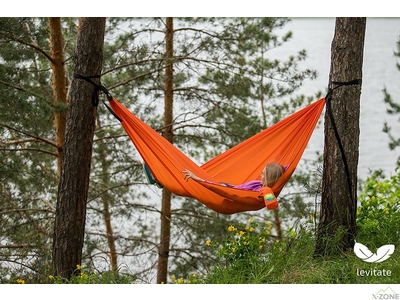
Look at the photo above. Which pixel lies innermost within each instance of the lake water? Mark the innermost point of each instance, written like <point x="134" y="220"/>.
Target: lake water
<point x="379" y="71"/>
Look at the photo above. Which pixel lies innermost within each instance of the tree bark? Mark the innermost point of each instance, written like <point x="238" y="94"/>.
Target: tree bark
<point x="163" y="251"/>
<point x="337" y="226"/>
<point x="73" y="188"/>
<point x="59" y="83"/>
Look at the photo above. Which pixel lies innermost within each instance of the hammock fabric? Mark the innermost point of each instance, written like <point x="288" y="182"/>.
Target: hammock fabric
<point x="283" y="142"/>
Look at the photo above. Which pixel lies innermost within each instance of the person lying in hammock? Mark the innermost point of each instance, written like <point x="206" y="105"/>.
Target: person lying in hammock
<point x="269" y="176"/>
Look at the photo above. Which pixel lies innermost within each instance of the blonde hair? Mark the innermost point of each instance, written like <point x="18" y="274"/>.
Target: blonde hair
<point x="272" y="172"/>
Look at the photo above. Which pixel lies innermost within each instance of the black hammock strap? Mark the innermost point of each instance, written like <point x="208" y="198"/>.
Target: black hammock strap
<point x="339" y="84"/>
<point x="328" y="99"/>
<point x="98" y="88"/>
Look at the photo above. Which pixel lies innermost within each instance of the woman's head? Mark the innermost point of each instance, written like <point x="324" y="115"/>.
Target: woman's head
<point x="271" y="173"/>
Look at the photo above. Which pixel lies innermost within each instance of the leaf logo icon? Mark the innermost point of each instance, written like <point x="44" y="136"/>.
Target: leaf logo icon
<point x="382" y="254"/>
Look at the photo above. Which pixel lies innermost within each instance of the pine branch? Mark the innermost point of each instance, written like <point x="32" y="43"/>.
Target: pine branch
<point x="18" y="246"/>
<point x="135" y="78"/>
<point x="19" y="88"/>
<point x="30" y="149"/>
<point x="37" y="138"/>
<point x="19" y="210"/>
<point x="34" y="46"/>
<point x="144" y="61"/>
<point x="20" y="141"/>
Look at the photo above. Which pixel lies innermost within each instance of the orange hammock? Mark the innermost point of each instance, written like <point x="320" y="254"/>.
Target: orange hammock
<point x="283" y="142"/>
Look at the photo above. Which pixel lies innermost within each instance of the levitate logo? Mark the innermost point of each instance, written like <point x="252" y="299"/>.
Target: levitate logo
<point x="382" y="254"/>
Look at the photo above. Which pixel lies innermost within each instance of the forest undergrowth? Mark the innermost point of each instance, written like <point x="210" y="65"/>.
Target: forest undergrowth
<point x="251" y="254"/>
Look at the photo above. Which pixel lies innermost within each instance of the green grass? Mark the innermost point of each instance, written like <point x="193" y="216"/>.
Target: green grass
<point x="251" y="255"/>
<point x="244" y="259"/>
<point x="292" y="262"/>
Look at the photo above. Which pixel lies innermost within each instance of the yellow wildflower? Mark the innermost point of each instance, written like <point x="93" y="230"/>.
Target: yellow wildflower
<point x="267" y="232"/>
<point x="251" y="220"/>
<point x="386" y="212"/>
<point x="78" y="267"/>
<point x="251" y="229"/>
<point x="241" y="233"/>
<point x="172" y="277"/>
<point x="233" y="250"/>
<point x="21" y="281"/>
<point x="260" y="247"/>
<point x="208" y="242"/>
<point x="231" y="228"/>
<point x="276" y="241"/>
<point x="268" y="223"/>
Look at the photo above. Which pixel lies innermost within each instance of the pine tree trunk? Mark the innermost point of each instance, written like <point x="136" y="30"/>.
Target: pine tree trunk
<point x="337" y="226"/>
<point x="59" y="83"/>
<point x="74" y="181"/>
<point x="163" y="250"/>
<point x="106" y="199"/>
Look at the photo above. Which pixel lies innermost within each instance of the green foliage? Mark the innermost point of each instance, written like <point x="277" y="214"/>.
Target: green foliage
<point x="289" y="261"/>
<point x="249" y="253"/>
<point x="393" y="108"/>
<point x="82" y="276"/>
<point x="240" y="254"/>
<point x="192" y="223"/>
<point x="28" y="172"/>
<point x="89" y="277"/>
<point x="378" y="216"/>
<point x="28" y="175"/>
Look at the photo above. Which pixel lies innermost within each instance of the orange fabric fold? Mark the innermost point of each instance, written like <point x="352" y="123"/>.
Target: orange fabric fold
<point x="283" y="142"/>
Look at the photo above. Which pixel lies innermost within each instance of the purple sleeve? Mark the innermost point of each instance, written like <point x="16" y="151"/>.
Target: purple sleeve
<point x="254" y="185"/>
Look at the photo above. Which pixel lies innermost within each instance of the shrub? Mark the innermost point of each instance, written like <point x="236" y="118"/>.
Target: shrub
<point x="378" y="216"/>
